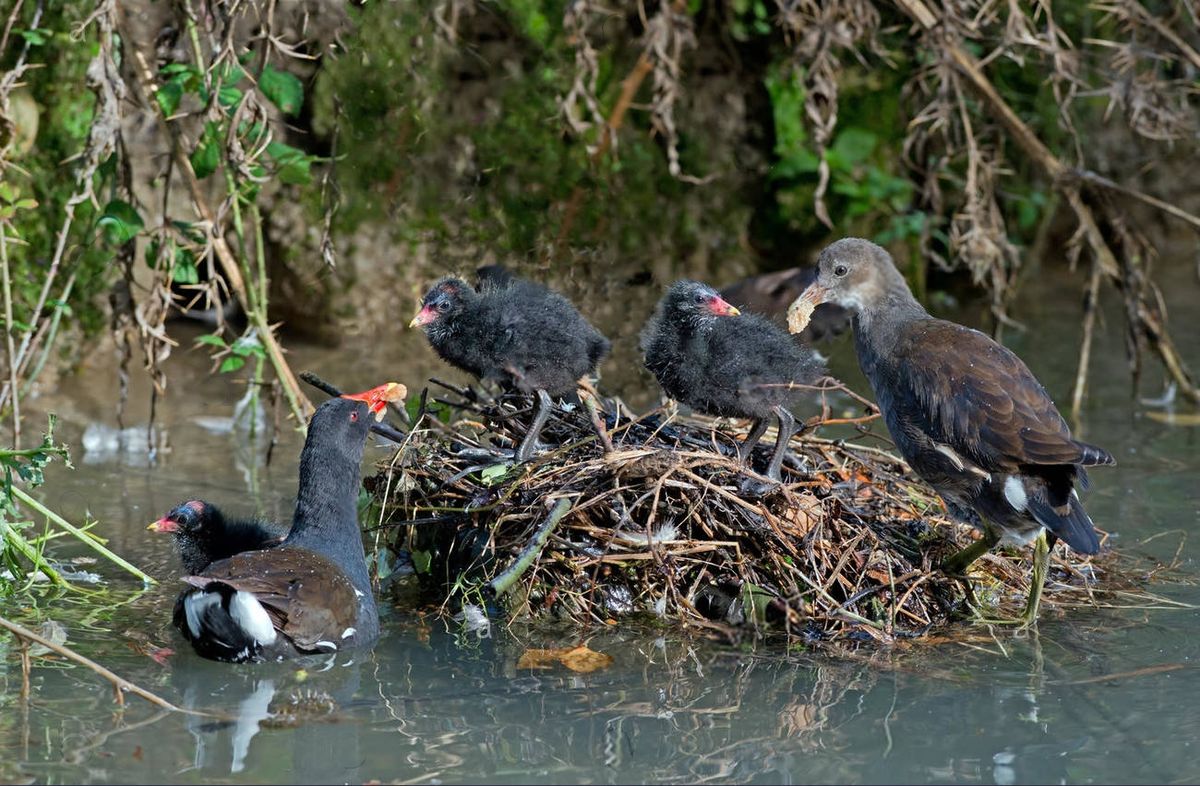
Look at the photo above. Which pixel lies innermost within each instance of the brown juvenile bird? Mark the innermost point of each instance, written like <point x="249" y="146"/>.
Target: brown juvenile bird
<point x="965" y="413"/>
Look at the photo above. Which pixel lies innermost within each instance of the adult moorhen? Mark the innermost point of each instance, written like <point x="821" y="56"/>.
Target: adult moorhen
<point x="708" y="355"/>
<point x="965" y="413"/>
<point x="311" y="594"/>
<point x="204" y="535"/>
<point x="516" y="332"/>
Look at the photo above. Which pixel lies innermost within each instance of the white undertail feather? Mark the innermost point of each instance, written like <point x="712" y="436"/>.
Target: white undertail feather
<point x="1014" y="492"/>
<point x="348" y="632"/>
<point x="194" y="606"/>
<point x="252" y="618"/>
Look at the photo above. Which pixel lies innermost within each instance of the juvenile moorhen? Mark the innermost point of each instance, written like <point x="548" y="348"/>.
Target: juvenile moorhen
<point x="204" y="535"/>
<point x="311" y="594"/>
<point x="516" y="332"/>
<point x="965" y="413"/>
<point x="708" y="355"/>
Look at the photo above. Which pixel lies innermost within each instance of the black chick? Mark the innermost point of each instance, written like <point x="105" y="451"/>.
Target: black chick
<point x="515" y="332"/>
<point x="203" y="534"/>
<point x="965" y="412"/>
<point x="708" y="355"/>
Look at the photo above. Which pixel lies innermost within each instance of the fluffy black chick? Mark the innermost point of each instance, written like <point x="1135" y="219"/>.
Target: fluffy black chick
<point x="204" y="535"/>
<point x="708" y="355"/>
<point x="513" y="331"/>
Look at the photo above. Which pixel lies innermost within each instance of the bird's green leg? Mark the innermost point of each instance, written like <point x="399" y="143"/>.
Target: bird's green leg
<point x="1041" y="565"/>
<point x="957" y="564"/>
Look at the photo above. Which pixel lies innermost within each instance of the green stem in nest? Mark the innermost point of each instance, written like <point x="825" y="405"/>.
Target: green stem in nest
<point x="505" y="581"/>
<point x="84" y="536"/>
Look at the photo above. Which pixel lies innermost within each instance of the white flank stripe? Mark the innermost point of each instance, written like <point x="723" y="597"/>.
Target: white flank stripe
<point x="1014" y="492"/>
<point x="326" y="644"/>
<point x="252" y="618"/>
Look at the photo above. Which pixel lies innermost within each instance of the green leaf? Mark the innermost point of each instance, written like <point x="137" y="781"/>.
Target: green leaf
<point x="35" y="36"/>
<point x="231" y="363"/>
<point x="248" y="345"/>
<point x="854" y="145"/>
<point x="120" y="222"/>
<point x="184" y="271"/>
<point x="294" y="165"/>
<point x="492" y="475"/>
<point x="212" y="340"/>
<point x="229" y="97"/>
<point x="168" y="97"/>
<point x="207" y="156"/>
<point x="283" y="89"/>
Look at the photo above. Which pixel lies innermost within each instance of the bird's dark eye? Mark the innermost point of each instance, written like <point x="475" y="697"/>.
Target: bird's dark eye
<point x="700" y="297"/>
<point x="839" y="271"/>
<point x="353" y="417"/>
<point x="443" y="305"/>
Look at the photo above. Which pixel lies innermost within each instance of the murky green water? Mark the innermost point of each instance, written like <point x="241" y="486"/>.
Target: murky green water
<point x="1091" y="696"/>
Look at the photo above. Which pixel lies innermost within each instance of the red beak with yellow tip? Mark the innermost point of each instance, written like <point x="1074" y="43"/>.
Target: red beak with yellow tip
<point x="721" y="308"/>
<point x="378" y="398"/>
<point x="163" y="525"/>
<point x="424" y="317"/>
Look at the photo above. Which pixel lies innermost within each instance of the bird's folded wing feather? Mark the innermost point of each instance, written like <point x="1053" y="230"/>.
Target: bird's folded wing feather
<point x="981" y="400"/>
<point x="306" y="595"/>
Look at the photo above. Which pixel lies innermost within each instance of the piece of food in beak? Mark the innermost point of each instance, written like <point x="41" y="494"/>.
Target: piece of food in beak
<point x="801" y="311"/>
<point x="378" y="398"/>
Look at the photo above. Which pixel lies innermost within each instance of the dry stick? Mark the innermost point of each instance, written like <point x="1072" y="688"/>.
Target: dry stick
<point x="300" y="404"/>
<point x="119" y="683"/>
<point x="1067" y="181"/>
<point x="1090" y="307"/>
<point x="9" y="349"/>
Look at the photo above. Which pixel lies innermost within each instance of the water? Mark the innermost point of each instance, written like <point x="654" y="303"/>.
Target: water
<point x="1091" y="696"/>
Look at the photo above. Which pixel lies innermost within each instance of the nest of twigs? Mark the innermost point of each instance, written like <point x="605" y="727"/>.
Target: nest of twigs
<point x="667" y="524"/>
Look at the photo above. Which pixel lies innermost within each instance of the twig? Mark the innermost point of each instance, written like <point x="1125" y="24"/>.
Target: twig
<point x="1090" y="307"/>
<point x="9" y="348"/>
<point x="120" y="684"/>
<point x="504" y="582"/>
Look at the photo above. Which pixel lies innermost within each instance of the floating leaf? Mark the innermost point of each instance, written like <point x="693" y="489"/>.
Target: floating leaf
<point x="120" y="222"/>
<point x="580" y="659"/>
<point x="283" y="89"/>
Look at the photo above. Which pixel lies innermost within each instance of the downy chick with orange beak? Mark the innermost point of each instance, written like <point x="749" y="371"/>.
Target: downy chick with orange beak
<point x="204" y="535"/>
<point x="708" y="355"/>
<point x="515" y="332"/>
<point x="965" y="413"/>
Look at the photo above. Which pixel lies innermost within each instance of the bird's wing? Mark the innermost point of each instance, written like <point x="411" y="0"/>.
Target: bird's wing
<point x="306" y="595"/>
<point x="976" y="397"/>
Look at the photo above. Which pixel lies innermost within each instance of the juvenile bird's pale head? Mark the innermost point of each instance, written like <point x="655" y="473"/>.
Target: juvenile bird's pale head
<point x="856" y="274"/>
<point x="447" y="298"/>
